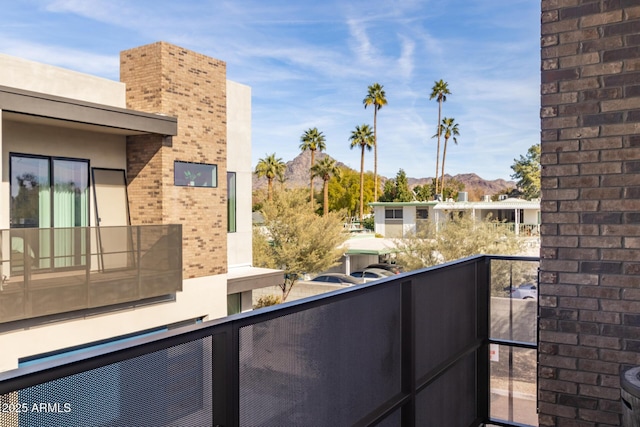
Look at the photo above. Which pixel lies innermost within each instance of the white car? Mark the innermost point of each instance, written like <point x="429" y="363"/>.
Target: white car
<point x="524" y="291"/>
<point x="336" y="279"/>
<point x="371" y="274"/>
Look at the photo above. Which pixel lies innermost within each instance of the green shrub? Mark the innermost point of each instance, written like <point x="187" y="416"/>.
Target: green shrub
<point x="266" y="301"/>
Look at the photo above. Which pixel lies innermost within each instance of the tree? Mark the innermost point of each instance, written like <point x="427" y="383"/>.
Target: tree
<point x="439" y="91"/>
<point x="397" y="190"/>
<point x="377" y="98"/>
<point x="423" y="193"/>
<point x="344" y="191"/>
<point x="460" y="236"/>
<point x="271" y="168"/>
<point x="363" y="137"/>
<point x="312" y="140"/>
<point x="451" y="190"/>
<point x="449" y="128"/>
<point x="299" y="241"/>
<point x="527" y="172"/>
<point x="325" y="169"/>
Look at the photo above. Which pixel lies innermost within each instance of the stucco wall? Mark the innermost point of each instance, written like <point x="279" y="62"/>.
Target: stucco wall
<point x="23" y="74"/>
<point x="199" y="297"/>
<point x="239" y="248"/>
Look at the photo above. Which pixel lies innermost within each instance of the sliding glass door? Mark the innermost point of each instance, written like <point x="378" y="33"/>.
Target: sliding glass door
<point x="48" y="192"/>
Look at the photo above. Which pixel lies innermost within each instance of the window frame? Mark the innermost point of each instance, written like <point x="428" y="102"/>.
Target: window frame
<point x="189" y="174"/>
<point x="51" y="182"/>
<point x="393" y="213"/>
<point x="232" y="202"/>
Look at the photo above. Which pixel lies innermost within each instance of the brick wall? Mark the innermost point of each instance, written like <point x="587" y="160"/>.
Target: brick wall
<point x="590" y="266"/>
<point x="167" y="79"/>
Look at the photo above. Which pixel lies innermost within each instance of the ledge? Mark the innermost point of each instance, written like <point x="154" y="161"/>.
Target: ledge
<point x="119" y="120"/>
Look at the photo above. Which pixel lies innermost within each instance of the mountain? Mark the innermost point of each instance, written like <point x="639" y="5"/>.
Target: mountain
<point x="297" y="175"/>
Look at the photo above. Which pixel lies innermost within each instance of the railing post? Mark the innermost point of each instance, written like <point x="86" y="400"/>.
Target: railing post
<point x="226" y="377"/>
<point x="483" y="301"/>
<point x="408" y="366"/>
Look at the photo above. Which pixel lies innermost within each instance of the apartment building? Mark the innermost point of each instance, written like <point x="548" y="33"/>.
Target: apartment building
<point x="125" y="207"/>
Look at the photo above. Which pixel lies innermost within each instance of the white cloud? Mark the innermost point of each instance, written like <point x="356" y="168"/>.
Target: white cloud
<point x="309" y="64"/>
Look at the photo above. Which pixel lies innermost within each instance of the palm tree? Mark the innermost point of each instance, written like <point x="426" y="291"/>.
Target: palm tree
<point x="362" y="136"/>
<point x="440" y="90"/>
<point x="271" y="168"/>
<point x="325" y="169"/>
<point x="448" y="128"/>
<point x="312" y="140"/>
<point x="376" y="97"/>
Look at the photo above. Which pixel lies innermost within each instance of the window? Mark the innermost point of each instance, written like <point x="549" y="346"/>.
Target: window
<point x="231" y="202"/>
<point x="422" y="213"/>
<point x="35" y="203"/>
<point x="187" y="174"/>
<point x="234" y="304"/>
<point x="393" y="213"/>
<point x="48" y="192"/>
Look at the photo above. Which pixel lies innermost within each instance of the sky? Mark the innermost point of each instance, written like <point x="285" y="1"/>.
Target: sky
<point x="309" y="64"/>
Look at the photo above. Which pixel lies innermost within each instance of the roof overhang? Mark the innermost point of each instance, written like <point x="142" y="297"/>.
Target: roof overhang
<point x="248" y="278"/>
<point x="369" y="246"/>
<point x="23" y="105"/>
<point x="399" y="204"/>
<point x="458" y="206"/>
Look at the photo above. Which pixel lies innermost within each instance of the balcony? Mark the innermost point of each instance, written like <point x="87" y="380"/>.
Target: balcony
<point x="49" y="271"/>
<point x="442" y="346"/>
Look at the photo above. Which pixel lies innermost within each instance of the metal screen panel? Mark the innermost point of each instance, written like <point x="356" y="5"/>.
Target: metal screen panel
<point x="170" y="387"/>
<point x="451" y="399"/>
<point x="327" y="366"/>
<point x="445" y="315"/>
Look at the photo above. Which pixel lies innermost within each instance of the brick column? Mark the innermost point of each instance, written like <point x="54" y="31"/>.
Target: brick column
<point x="590" y="266"/>
<point x="167" y="79"/>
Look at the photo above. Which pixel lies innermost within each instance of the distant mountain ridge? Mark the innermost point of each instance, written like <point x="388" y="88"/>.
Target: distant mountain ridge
<point x="297" y="175"/>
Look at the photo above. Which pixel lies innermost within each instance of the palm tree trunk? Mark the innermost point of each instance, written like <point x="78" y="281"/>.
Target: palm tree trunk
<point x="375" y="153"/>
<point x="362" y="185"/>
<point x="444" y="156"/>
<point x="438" y="152"/>
<point x="325" y="191"/>
<point x="270" y="188"/>
<point x="311" y="180"/>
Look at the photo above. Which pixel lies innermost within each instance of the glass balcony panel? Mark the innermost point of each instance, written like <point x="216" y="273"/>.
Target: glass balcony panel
<point x="513" y="385"/>
<point x="56" y="270"/>
<point x="513" y="310"/>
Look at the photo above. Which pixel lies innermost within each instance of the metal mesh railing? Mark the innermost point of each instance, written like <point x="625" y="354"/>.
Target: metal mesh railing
<point x="410" y="350"/>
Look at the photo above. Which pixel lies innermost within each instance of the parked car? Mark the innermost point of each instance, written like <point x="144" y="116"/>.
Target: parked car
<point x="524" y="291"/>
<point x="337" y="279"/>
<point x="394" y="268"/>
<point x="371" y="274"/>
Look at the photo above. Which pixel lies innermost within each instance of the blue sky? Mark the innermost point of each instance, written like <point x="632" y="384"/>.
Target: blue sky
<point x="309" y="64"/>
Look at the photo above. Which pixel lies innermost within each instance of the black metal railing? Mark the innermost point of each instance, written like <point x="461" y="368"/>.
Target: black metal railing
<point x="411" y="350"/>
<point x="55" y="270"/>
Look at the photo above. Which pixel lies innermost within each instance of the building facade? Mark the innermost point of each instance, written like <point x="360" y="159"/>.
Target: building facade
<point x="402" y="219"/>
<point x="125" y="206"/>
